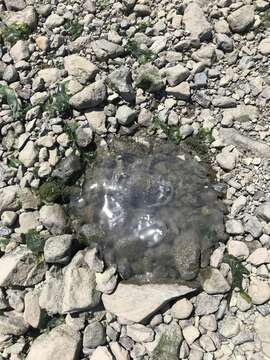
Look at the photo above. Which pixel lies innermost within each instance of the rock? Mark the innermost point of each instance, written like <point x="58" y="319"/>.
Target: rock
<point x="264" y="46"/>
<point x="84" y="136"/>
<point x="241" y="19"/>
<point x="105" y="49"/>
<point x="213" y="282"/>
<point x="107" y="281"/>
<point x="43" y="43"/>
<point x="119" y="352"/>
<point x="140" y="333"/>
<point x="207" y="343"/>
<point x="32" y="312"/>
<point x="79" y="284"/>
<point x="12" y="323"/>
<point x="20" y="268"/>
<point x="227" y="159"/>
<point x="91" y="96"/>
<point x="120" y="81"/>
<point x="176" y="74"/>
<point x="224" y="42"/>
<point x="234" y="227"/>
<point x="20" y="51"/>
<point x="68" y="169"/>
<point x="146" y="299"/>
<point x="94" y="335"/>
<point x="238" y="249"/>
<point x="28" y="221"/>
<point x="8" y="196"/>
<point x="261" y="324"/>
<point x="8" y="218"/>
<point x="224" y="102"/>
<point x="15" y="5"/>
<point x="233" y="137"/>
<point x="53" y="218"/>
<point x="180" y="92"/>
<point x="142" y="10"/>
<point x="149" y="79"/>
<point x="209" y="322"/>
<point x="101" y="353"/>
<point x="62" y="342"/>
<point x="97" y="121"/>
<point x="259" y="291"/>
<point x="207" y="304"/>
<point x="28" y="154"/>
<point x="253" y="227"/>
<point x="182" y="309"/>
<point x="200" y="80"/>
<point x="51" y="293"/>
<point x="10" y="74"/>
<point x="80" y="67"/>
<point x="263" y="211"/>
<point x="125" y="115"/>
<point x="57" y="249"/>
<point x="27" y="16"/>
<point x="50" y="75"/>
<point x="54" y="20"/>
<point x="259" y="256"/>
<point x="190" y="333"/>
<point x="196" y="23"/>
<point x="229" y="327"/>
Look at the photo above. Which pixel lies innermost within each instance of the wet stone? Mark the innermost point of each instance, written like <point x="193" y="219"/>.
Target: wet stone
<point x="151" y="203"/>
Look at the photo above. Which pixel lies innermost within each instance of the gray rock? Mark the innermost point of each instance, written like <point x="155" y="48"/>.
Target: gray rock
<point x="94" y="335"/>
<point x="57" y="249"/>
<point x="101" y="352"/>
<point x="190" y="334"/>
<point x="196" y="23"/>
<point x="10" y="74"/>
<point x="27" y="16"/>
<point x="227" y="159"/>
<point x="68" y="168"/>
<point x="28" y="154"/>
<point x="97" y="121"/>
<point x="140" y="333"/>
<point x="207" y="304"/>
<point x="15" y="5"/>
<point x="84" y="136"/>
<point x="62" y="342"/>
<point x="234" y="227"/>
<point x="50" y="75"/>
<point x="259" y="291"/>
<point x="105" y="49"/>
<point x="107" y="281"/>
<point x="224" y="42"/>
<point x="263" y="211"/>
<point x="261" y="324"/>
<point x="120" y="81"/>
<point x="53" y="218"/>
<point x="54" y="20"/>
<point x="138" y="302"/>
<point x="241" y="19"/>
<point x="176" y="74"/>
<point x="80" y="67"/>
<point x="213" y="282"/>
<point x="125" y="115"/>
<point x="229" y="327"/>
<point x="182" y="309"/>
<point x="12" y="323"/>
<point x="32" y="311"/>
<point x="180" y="92"/>
<point x="51" y="293"/>
<point x="253" y="226"/>
<point x="224" y="102"/>
<point x="264" y="46"/>
<point x="20" y="268"/>
<point x="9" y="199"/>
<point x="200" y="80"/>
<point x="91" y="96"/>
<point x="149" y="79"/>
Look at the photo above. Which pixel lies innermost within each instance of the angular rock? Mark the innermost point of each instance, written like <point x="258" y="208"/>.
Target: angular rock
<point x="97" y="121"/>
<point x="91" y="96"/>
<point x="229" y="327"/>
<point x="176" y="74"/>
<point x="125" y="115"/>
<point x="101" y="353"/>
<point x="12" y="323"/>
<point x="259" y="291"/>
<point x="9" y="199"/>
<point x="94" y="335"/>
<point x="138" y="302"/>
<point x="15" y="5"/>
<point x="234" y="227"/>
<point x="224" y="102"/>
<point x="120" y="81"/>
<point x="196" y="23"/>
<point x="20" y="268"/>
<point x="51" y="294"/>
<point x="61" y="342"/>
<point x="263" y="211"/>
<point x="105" y="49"/>
<point x="68" y="169"/>
<point x="54" y="20"/>
<point x="241" y="19"/>
<point x="227" y="159"/>
<point x="57" y="249"/>
<point x="238" y="249"/>
<point x="182" y="309"/>
<point x="140" y="333"/>
<point x="106" y="281"/>
<point x="213" y="282"/>
<point x="28" y="154"/>
<point x="53" y="218"/>
<point x="224" y="42"/>
<point x="50" y="75"/>
<point x="207" y="304"/>
<point x="20" y="51"/>
<point x="190" y="333"/>
<point x="261" y="324"/>
<point x="32" y="312"/>
<point x="180" y="92"/>
<point x="80" y="67"/>
<point x="27" y="16"/>
<point x="259" y="256"/>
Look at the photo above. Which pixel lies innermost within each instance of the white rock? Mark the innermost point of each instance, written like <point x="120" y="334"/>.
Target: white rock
<point x="91" y="96"/>
<point x="97" y="121"/>
<point x="238" y="249"/>
<point x="61" y="342"/>
<point x="101" y="353"/>
<point x="57" y="249"/>
<point x="234" y="227"/>
<point x="50" y="75"/>
<point x="138" y="302"/>
<point x="190" y="333"/>
<point x="196" y="23"/>
<point x="229" y="327"/>
<point x="259" y="256"/>
<point x="53" y="218"/>
<point x="213" y="282"/>
<point x="176" y="74"/>
<point x="79" y="66"/>
<point x="8" y="197"/>
<point x="227" y="159"/>
<point x="264" y="46"/>
<point x="125" y="115"/>
<point x="259" y="291"/>
<point x="238" y="205"/>
<point x="182" y="309"/>
<point x="119" y="352"/>
<point x="54" y="20"/>
<point x="32" y="311"/>
<point x="107" y="281"/>
<point x="12" y="323"/>
<point x="28" y="154"/>
<point x="180" y="92"/>
<point x="20" y="51"/>
<point x="261" y="325"/>
<point x="140" y="333"/>
<point x="28" y="221"/>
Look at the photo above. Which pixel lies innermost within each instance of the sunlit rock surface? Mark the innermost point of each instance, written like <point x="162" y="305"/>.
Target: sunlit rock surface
<point x="152" y="211"/>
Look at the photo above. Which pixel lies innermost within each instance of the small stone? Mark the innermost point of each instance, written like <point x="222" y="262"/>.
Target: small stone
<point x="253" y="227"/>
<point x="261" y="324"/>
<point x="259" y="256"/>
<point x="68" y="168"/>
<point x="263" y="211"/>
<point x="84" y="136"/>
<point x="101" y="353"/>
<point x="207" y="304"/>
<point x="125" y="115"/>
<point x="91" y="96"/>
<point x="15" y="5"/>
<point x="107" y="281"/>
<point x="8" y="218"/>
<point x="32" y="311"/>
<point x="26" y="16"/>
<point x="54" y="20"/>
<point x="224" y="42"/>
<point x="200" y="80"/>
<point x="209" y="322"/>
<point x="190" y="333"/>
<point x="28" y="221"/>
<point x="140" y="333"/>
<point x="180" y="92"/>
<point x="43" y="43"/>
<point x="213" y="282"/>
<point x="120" y="81"/>
<point x="50" y="75"/>
<point x="207" y="343"/>
<point x="234" y="227"/>
<point x="12" y="323"/>
<point x="119" y="352"/>
<point x="28" y="154"/>
<point x="241" y="19"/>
<point x="97" y="121"/>
<point x="20" y="51"/>
<point x="94" y="335"/>
<point x="264" y="46"/>
<point x="10" y="74"/>
<point x="105" y="49"/>
<point x="229" y="327"/>
<point x="259" y="291"/>
<point x="182" y="309"/>
<point x="227" y="159"/>
<point x="176" y="74"/>
<point x="53" y="218"/>
<point x="238" y="249"/>
<point x="57" y="249"/>
<point x="196" y="23"/>
<point x="80" y="67"/>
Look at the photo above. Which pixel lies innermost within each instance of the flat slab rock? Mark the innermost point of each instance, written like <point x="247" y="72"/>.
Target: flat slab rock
<point x="138" y="302"/>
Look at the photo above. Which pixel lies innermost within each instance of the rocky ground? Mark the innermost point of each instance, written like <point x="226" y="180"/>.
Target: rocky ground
<point x="74" y="74"/>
